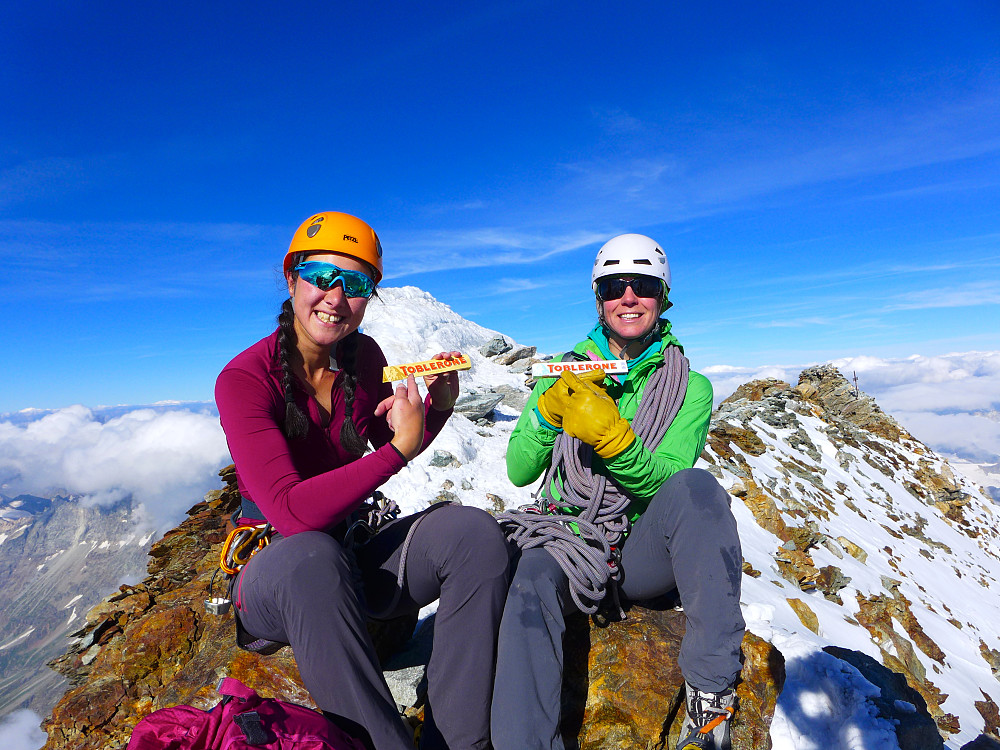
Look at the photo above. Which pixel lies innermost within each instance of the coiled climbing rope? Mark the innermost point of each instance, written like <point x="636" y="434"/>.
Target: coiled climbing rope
<point x="590" y="557"/>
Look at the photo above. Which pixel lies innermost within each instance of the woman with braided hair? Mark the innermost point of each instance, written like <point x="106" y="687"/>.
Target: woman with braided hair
<point x="620" y="512"/>
<point x="299" y="409"/>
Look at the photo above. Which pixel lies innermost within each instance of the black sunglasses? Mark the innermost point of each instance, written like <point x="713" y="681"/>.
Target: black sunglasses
<point x="610" y="288"/>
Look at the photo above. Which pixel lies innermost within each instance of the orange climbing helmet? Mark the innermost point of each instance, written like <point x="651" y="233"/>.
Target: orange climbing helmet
<point x="334" y="232"/>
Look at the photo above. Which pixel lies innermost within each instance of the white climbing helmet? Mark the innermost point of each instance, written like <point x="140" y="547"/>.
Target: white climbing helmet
<point x="631" y="254"/>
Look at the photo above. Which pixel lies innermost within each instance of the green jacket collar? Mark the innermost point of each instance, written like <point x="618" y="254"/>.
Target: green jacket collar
<point x="662" y="337"/>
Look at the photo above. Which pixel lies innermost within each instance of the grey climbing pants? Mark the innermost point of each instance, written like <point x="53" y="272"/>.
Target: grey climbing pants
<point x="299" y="590"/>
<point x="686" y="541"/>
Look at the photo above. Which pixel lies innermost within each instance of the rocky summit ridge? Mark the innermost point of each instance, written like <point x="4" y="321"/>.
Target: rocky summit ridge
<point x="864" y="554"/>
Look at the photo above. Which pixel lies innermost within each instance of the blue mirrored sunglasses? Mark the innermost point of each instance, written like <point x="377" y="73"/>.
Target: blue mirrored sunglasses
<point x="325" y="276"/>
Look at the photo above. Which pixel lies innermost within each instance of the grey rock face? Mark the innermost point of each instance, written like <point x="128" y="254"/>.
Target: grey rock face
<point x="58" y="560"/>
<point x="476" y="406"/>
<point x="520" y="352"/>
<point x="496" y="345"/>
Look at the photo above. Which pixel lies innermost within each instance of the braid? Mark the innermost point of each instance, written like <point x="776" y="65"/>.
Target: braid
<point x="296" y="423"/>
<point x="350" y="440"/>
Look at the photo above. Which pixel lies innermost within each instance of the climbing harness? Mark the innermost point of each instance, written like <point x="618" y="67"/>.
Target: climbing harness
<point x="587" y="546"/>
<point x="369" y="518"/>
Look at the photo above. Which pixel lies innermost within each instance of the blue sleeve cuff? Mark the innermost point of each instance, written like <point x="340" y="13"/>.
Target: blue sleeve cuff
<point x="542" y="421"/>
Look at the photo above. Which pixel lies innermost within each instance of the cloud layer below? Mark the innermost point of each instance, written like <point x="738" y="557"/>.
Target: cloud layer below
<point x="20" y="731"/>
<point x="166" y="460"/>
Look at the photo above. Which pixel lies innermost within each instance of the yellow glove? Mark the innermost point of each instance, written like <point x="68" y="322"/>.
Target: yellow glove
<point x="552" y="403"/>
<point x="591" y="416"/>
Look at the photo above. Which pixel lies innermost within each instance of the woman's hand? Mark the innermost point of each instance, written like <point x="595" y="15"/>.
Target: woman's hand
<point x="554" y="402"/>
<point x="592" y="417"/>
<point x="443" y="387"/>
<point x="404" y="412"/>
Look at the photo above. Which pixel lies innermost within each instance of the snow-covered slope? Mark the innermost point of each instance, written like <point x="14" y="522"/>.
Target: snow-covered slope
<point x="859" y="530"/>
<point x="410" y="325"/>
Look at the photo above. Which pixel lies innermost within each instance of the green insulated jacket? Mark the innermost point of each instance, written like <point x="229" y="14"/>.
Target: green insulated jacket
<point x="639" y="470"/>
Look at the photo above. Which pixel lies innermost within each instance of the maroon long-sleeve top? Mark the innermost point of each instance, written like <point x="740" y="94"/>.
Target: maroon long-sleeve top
<point x="311" y="484"/>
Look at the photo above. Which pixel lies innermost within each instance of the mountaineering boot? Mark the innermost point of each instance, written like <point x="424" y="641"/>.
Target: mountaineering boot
<point x="706" y="726"/>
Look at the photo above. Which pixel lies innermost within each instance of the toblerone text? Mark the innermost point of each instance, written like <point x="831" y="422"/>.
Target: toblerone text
<point x="555" y="369"/>
<point x="427" y="367"/>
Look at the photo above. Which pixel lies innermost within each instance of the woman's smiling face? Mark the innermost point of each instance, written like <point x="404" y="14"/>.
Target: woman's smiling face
<point x="630" y="317"/>
<point x="325" y="318"/>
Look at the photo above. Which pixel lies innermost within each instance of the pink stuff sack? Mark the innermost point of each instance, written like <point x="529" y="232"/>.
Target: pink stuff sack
<point x="241" y="720"/>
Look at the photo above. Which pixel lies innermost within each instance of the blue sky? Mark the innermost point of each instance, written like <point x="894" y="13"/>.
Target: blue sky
<point x="825" y="179"/>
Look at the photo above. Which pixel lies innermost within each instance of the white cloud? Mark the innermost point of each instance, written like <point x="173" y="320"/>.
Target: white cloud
<point x="21" y="730"/>
<point x="426" y="252"/>
<point x="969" y="436"/>
<point x="165" y="460"/>
<point x="967" y="295"/>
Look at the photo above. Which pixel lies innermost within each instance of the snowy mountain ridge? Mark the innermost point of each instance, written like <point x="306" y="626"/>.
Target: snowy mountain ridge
<point x="58" y="558"/>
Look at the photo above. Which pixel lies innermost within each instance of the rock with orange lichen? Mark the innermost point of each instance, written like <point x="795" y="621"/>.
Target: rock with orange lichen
<point x="154" y="645"/>
<point x="623" y="688"/>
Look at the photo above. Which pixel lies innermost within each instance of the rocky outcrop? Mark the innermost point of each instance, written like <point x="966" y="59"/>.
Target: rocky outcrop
<point x="623" y="689"/>
<point x="802" y="431"/>
<point x="154" y="645"/>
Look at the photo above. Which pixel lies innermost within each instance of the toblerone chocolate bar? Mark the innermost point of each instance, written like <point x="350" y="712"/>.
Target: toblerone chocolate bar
<point x="427" y="367"/>
<point x="555" y="369"/>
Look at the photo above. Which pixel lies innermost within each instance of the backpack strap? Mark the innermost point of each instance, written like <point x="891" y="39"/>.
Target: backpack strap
<point x="230" y="687"/>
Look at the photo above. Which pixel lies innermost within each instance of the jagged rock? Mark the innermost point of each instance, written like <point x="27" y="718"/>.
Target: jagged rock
<point x="515" y="398"/>
<point x="724" y="435"/>
<point x="852" y="549"/>
<point x="523" y="365"/>
<point x="476" y="406"/>
<point x="496" y="345"/>
<point x="878" y="614"/>
<point x="805" y="614"/>
<point x="990" y="712"/>
<point x="839" y="399"/>
<point x="832" y="580"/>
<point x="405" y="671"/>
<point x="518" y="352"/>
<point x="157" y="646"/>
<point x="991" y="656"/>
<point x="755" y="390"/>
<point x="497" y="503"/>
